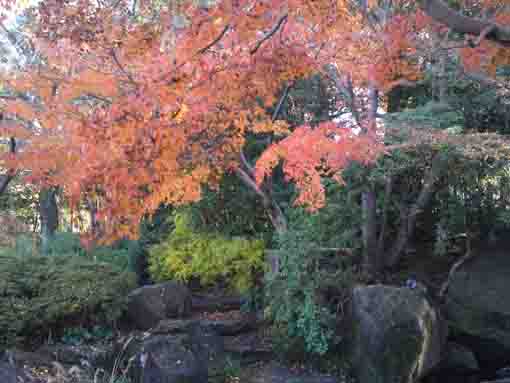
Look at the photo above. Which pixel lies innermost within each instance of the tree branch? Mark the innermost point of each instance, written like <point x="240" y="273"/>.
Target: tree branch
<point x="271" y="207"/>
<point x="408" y="224"/>
<point x="384" y="221"/>
<point x="121" y="67"/>
<point x="4" y="183"/>
<point x="215" y="41"/>
<point x="280" y="103"/>
<point x="269" y="34"/>
<point x="459" y="23"/>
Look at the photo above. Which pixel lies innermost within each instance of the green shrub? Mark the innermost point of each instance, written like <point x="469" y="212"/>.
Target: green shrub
<point x="39" y="294"/>
<point x="312" y="285"/>
<point x="187" y="254"/>
<point x="303" y="324"/>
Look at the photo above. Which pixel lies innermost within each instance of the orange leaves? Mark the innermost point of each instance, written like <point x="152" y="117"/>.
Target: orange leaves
<point x="89" y="81"/>
<point x="309" y="154"/>
<point x="147" y="114"/>
<point x="21" y="109"/>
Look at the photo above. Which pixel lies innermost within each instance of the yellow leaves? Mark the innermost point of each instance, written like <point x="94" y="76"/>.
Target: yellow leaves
<point x="179" y="116"/>
<point x="279" y="127"/>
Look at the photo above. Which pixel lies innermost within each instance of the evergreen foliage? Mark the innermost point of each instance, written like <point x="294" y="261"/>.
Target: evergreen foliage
<point x="41" y="294"/>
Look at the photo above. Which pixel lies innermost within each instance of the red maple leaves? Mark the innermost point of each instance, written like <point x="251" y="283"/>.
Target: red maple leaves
<point x="151" y="107"/>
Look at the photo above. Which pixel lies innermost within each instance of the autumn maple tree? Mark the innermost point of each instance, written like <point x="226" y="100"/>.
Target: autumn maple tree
<point x="140" y="103"/>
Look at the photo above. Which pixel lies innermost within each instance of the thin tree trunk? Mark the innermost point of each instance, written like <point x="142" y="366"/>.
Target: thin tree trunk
<point x="246" y="174"/>
<point x="409" y="215"/>
<point x="95" y="225"/>
<point x="48" y="211"/>
<point x="395" y="99"/>
<point x="369" y="196"/>
<point x="388" y="189"/>
<point x="6" y="179"/>
<point x="369" y="230"/>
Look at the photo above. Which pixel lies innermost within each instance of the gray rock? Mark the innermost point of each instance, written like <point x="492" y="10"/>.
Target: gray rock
<point x="460" y="358"/>
<point x="398" y="334"/>
<point x="478" y="304"/>
<point x="8" y="373"/>
<point x="82" y="355"/>
<point x="168" y="359"/>
<point x="458" y="365"/>
<point x="150" y="304"/>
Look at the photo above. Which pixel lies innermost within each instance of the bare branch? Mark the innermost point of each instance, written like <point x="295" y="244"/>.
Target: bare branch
<point x="272" y="209"/>
<point x="459" y="23"/>
<point x="215" y="41"/>
<point x="4" y="183"/>
<point x="269" y="34"/>
<point x="280" y="103"/>
<point x="121" y="67"/>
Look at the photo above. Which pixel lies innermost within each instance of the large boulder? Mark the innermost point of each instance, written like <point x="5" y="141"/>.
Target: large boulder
<point x="148" y="305"/>
<point x="169" y="359"/>
<point x="478" y="306"/>
<point x="398" y="334"/>
<point x="8" y="373"/>
<point x="459" y="365"/>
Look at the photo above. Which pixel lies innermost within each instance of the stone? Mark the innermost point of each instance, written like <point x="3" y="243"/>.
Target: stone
<point x="168" y="359"/>
<point x="7" y="373"/>
<point x="82" y="355"/>
<point x="398" y="335"/>
<point x="148" y="305"/>
<point x="477" y="306"/>
<point x="458" y="365"/>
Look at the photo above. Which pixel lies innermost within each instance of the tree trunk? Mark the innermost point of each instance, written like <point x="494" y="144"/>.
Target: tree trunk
<point x="7" y="178"/>
<point x="457" y="22"/>
<point x="369" y="230"/>
<point x="273" y="211"/>
<point x="388" y="189"/>
<point x="246" y="174"/>
<point x="409" y="214"/>
<point x="48" y="211"/>
<point x="95" y="224"/>
<point x="395" y="100"/>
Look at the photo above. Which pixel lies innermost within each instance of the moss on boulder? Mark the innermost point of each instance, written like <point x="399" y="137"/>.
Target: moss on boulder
<point x="398" y="334"/>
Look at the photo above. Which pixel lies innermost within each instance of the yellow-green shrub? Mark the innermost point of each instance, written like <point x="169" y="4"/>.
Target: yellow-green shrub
<point x="187" y="254"/>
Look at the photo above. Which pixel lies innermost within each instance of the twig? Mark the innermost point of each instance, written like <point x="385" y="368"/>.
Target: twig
<point x="269" y="34"/>
<point x="121" y="67"/>
<point x="11" y="173"/>
<point x="215" y="41"/>
<point x="280" y="103"/>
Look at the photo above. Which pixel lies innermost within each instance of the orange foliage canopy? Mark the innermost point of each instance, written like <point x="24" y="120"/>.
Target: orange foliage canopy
<point x="144" y="110"/>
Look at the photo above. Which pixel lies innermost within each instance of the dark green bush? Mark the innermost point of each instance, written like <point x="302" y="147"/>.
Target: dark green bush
<point x="40" y="294"/>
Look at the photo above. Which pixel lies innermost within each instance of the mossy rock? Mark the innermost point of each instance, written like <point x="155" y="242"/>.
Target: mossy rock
<point x="398" y="334"/>
<point x="478" y="304"/>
